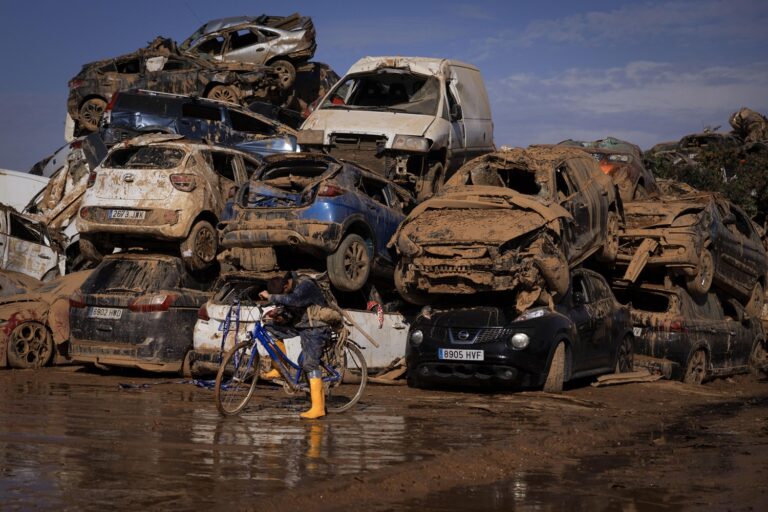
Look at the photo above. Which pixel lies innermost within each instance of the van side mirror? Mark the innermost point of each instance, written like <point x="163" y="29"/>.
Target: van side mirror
<point x="456" y="113"/>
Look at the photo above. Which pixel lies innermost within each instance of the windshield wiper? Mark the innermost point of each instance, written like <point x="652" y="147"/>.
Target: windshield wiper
<point x="387" y="109"/>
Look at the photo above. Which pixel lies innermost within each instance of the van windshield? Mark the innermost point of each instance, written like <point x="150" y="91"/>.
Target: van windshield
<point x="387" y="90"/>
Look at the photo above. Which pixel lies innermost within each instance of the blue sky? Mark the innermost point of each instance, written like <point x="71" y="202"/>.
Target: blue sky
<point x="642" y="71"/>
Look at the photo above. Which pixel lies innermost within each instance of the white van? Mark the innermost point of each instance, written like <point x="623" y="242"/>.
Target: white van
<point x="414" y="120"/>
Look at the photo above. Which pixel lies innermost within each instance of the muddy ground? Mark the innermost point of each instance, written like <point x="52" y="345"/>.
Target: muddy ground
<point x="75" y="439"/>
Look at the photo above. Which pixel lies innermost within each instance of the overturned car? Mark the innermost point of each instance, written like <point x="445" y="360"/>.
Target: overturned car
<point x="513" y="221"/>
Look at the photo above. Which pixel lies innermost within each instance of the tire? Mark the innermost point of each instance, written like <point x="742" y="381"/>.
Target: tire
<point x="556" y="373"/>
<point x="350" y="265"/>
<point x="225" y="93"/>
<point x="696" y="369"/>
<point x="341" y="396"/>
<point x="610" y="249"/>
<point x="702" y="281"/>
<point x="756" y="301"/>
<point x="286" y="73"/>
<point x="30" y="345"/>
<point x="758" y="359"/>
<point x="416" y="297"/>
<point x="625" y="357"/>
<point x="186" y="366"/>
<point x="236" y="379"/>
<point x="90" y="113"/>
<point x="200" y="247"/>
<point x="431" y="182"/>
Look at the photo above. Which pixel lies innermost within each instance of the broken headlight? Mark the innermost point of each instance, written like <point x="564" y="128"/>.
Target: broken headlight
<point x="411" y="143"/>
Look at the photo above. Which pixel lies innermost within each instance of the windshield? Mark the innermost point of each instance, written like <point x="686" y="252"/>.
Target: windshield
<point x="388" y="90"/>
<point x="133" y="274"/>
<point x="193" y="38"/>
<point x="144" y="157"/>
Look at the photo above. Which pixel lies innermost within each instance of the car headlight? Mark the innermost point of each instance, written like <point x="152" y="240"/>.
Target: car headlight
<point x="417" y="337"/>
<point x="411" y="143"/>
<point x="311" y="137"/>
<point x="532" y="313"/>
<point x="520" y="340"/>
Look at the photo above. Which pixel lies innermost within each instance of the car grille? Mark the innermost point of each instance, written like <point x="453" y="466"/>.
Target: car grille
<point x="362" y="149"/>
<point x="471" y="336"/>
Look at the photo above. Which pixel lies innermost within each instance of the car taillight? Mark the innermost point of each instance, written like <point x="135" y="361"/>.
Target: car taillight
<point x="153" y="302"/>
<point x="75" y="83"/>
<point x="91" y="179"/>
<point x="328" y="190"/>
<point x="111" y="103"/>
<point x="184" y="182"/>
<point x="85" y="212"/>
<point x="202" y="313"/>
<point x="76" y="300"/>
<point x="677" y="325"/>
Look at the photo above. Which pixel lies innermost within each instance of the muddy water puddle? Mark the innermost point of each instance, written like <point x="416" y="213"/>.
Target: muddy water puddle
<point x="74" y="440"/>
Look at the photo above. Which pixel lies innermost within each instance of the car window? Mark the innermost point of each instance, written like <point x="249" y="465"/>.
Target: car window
<point x="646" y="300"/>
<point x="730" y="310"/>
<point x="707" y="307"/>
<point x="601" y="290"/>
<point x="173" y="64"/>
<point x="580" y="286"/>
<point x="224" y="164"/>
<point x="743" y="224"/>
<point x="245" y="123"/>
<point x="211" y="46"/>
<point x="375" y="189"/>
<point x="144" y="157"/>
<point x="242" y="38"/>
<point x="563" y="183"/>
<point x="206" y="112"/>
<point x="127" y="67"/>
<point x="23" y="229"/>
<point x="268" y="34"/>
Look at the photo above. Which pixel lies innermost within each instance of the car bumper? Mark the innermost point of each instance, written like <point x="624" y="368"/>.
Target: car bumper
<point x="145" y="356"/>
<point x="165" y="224"/>
<point x="677" y="251"/>
<point x="324" y="236"/>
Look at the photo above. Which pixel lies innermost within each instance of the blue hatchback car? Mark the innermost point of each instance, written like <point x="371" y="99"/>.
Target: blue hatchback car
<point x="308" y="204"/>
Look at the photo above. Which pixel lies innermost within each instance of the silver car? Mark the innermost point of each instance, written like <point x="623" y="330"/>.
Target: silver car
<point x="277" y="41"/>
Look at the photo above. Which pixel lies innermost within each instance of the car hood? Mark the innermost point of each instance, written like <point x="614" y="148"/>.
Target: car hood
<point x="366" y="122"/>
<point x="476" y="214"/>
<point x="654" y="214"/>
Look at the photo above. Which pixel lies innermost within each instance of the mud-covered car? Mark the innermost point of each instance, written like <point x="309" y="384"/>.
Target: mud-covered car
<point x="587" y="333"/>
<point x="701" y="237"/>
<point x="281" y="42"/>
<point x="623" y="162"/>
<point x="137" y="112"/>
<point x="512" y="221"/>
<point x="27" y="246"/>
<point x="160" y="67"/>
<point x="692" y="337"/>
<point x="34" y="326"/>
<point x="138" y="311"/>
<point x="13" y="283"/>
<point x="314" y="205"/>
<point x="161" y="191"/>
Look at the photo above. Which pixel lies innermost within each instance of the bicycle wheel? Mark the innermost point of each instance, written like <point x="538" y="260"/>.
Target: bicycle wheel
<point x="236" y="379"/>
<point x="350" y="364"/>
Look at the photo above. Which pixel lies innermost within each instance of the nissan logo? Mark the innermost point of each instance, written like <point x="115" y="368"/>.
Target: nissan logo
<point x="128" y="178"/>
<point x="463" y="335"/>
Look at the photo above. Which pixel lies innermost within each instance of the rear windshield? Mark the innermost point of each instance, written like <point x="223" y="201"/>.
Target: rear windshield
<point x="644" y="300"/>
<point x="133" y="275"/>
<point x="524" y="181"/>
<point x="144" y="157"/>
<point x="283" y="185"/>
<point x="247" y="292"/>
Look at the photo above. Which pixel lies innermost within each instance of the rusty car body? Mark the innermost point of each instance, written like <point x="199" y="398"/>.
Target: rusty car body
<point x="692" y="337"/>
<point x="623" y="162"/>
<point x="34" y="326"/>
<point x="282" y="42"/>
<point x="137" y="310"/>
<point x="513" y="221"/>
<point x="315" y="205"/>
<point x="701" y="237"/>
<point x="587" y="333"/>
<point x="161" y="67"/>
<point x="161" y="190"/>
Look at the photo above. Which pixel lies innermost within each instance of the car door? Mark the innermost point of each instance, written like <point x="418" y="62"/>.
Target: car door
<point x="224" y="165"/>
<point x="3" y="236"/>
<point x="248" y="45"/>
<point x="457" y="143"/>
<point x="575" y="202"/>
<point x="581" y="316"/>
<point x="710" y="328"/>
<point x="213" y="46"/>
<point x="740" y="330"/>
<point x="376" y="214"/>
<point x="728" y="250"/>
<point x="602" y="345"/>
<point x="753" y="252"/>
<point x="28" y="249"/>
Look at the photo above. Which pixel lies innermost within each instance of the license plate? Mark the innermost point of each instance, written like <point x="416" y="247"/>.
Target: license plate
<point x="127" y="214"/>
<point x="106" y="313"/>
<point x="637" y="331"/>
<point x="460" y="354"/>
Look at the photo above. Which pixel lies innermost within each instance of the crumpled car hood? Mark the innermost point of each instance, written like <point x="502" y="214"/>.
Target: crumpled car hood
<point x="647" y="214"/>
<point x="477" y="214"/>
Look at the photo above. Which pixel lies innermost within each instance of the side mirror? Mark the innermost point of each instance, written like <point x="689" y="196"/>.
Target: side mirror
<point x="578" y="299"/>
<point x="456" y="113"/>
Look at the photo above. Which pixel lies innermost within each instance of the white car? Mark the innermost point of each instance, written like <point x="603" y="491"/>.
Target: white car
<point x="25" y="246"/>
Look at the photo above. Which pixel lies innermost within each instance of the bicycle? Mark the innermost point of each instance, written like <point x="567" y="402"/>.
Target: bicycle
<point x="344" y="371"/>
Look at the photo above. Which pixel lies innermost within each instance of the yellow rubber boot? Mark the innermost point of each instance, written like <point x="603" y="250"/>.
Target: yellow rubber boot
<point x="317" y="394"/>
<point x="274" y="373"/>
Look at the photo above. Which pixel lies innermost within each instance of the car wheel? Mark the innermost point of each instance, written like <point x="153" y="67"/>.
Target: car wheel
<point x="625" y="357"/>
<point x="286" y="73"/>
<point x="431" y="182"/>
<point x="90" y="113"/>
<point x="200" y="247"/>
<point x="224" y="93"/>
<point x="556" y="373"/>
<point x="758" y="359"/>
<point x="186" y="366"/>
<point x="754" y="307"/>
<point x="416" y="296"/>
<point x="30" y="346"/>
<point x="702" y="281"/>
<point x="696" y="371"/>
<point x="350" y="265"/>
<point x="610" y="249"/>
